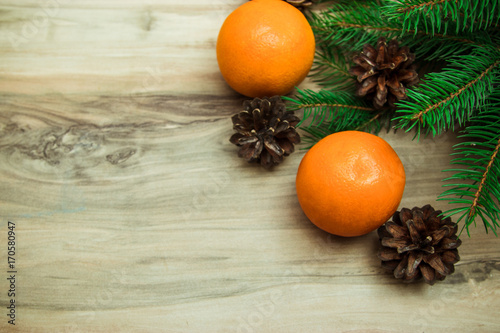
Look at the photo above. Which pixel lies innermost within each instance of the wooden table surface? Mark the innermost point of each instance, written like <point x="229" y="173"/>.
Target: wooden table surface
<point x="133" y="212"/>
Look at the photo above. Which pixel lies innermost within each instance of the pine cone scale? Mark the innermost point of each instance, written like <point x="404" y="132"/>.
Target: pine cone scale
<point x="438" y="235"/>
<point x="242" y="120"/>
<point x="451" y="257"/>
<point x="272" y="147"/>
<point x="399" y="93"/>
<point x="414" y="233"/>
<point x="291" y="135"/>
<point x="408" y="248"/>
<point x="281" y="127"/>
<point x="395" y="230"/>
<point x="257" y="120"/>
<point x="414" y="260"/>
<point x="286" y="145"/>
<point x="395" y="243"/>
<point x="428" y="274"/>
<point x="434" y="260"/>
<point x="247" y="151"/>
<point x="380" y="59"/>
<point x="259" y="146"/>
<point x="400" y="270"/>
<point x="235" y="138"/>
<point x="405" y="75"/>
<point x="392" y="48"/>
<point x="389" y="254"/>
<point x="451" y="244"/>
<point x="393" y="82"/>
<point x="367" y="86"/>
<point x="405" y="215"/>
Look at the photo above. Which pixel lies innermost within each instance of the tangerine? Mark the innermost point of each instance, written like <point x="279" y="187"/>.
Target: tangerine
<point x="265" y="48"/>
<point x="350" y="183"/>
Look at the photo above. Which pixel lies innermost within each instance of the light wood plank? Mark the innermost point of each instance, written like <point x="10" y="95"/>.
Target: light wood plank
<point x="134" y="214"/>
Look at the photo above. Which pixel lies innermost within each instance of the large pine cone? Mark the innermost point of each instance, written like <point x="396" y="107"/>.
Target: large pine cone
<point x="418" y="243"/>
<point x="265" y="131"/>
<point x="383" y="73"/>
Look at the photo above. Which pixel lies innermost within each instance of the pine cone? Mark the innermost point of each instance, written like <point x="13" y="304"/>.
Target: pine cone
<point x="383" y="73"/>
<point x="300" y="4"/>
<point x="265" y="131"/>
<point x="419" y="243"/>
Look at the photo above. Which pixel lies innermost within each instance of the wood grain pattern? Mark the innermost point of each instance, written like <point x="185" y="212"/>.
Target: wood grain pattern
<point x="134" y="214"/>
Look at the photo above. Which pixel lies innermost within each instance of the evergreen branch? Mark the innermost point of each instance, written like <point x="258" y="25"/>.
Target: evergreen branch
<point x="456" y="94"/>
<point x="374" y="124"/>
<point x="440" y="15"/>
<point x="452" y="95"/>
<point x="478" y="189"/>
<point x="331" y="69"/>
<point x="327" y="112"/>
<point x="351" y="25"/>
<point x="479" y="192"/>
<point x="412" y="12"/>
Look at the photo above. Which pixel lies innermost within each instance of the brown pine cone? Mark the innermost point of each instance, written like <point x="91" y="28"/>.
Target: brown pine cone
<point x="418" y="243"/>
<point x="265" y="131"/>
<point x="384" y="72"/>
<point x="300" y="4"/>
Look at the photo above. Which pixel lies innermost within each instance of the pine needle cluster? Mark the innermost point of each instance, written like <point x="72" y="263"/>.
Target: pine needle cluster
<point x="457" y="47"/>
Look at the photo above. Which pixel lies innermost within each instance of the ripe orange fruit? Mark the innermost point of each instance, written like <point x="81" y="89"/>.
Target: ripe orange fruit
<point x="350" y="183"/>
<point x="265" y="48"/>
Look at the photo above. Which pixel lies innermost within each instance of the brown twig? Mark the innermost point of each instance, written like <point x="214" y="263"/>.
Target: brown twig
<point x="429" y="3"/>
<point x="335" y="106"/>
<point x="483" y="181"/>
<point x="371" y="120"/>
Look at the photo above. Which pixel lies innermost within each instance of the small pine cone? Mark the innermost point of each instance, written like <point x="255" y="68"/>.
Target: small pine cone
<point x="300" y="4"/>
<point x="418" y="243"/>
<point x="383" y="73"/>
<point x="265" y="131"/>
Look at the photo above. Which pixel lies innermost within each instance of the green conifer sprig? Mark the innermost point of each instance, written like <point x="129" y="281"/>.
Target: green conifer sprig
<point x="350" y="25"/>
<point x="474" y="186"/>
<point x="327" y="112"/>
<point x="331" y="69"/>
<point x="449" y="98"/>
<point x="461" y="15"/>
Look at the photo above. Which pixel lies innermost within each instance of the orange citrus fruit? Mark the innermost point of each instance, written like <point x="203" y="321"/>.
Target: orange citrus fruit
<point x="265" y="48"/>
<point x="350" y="183"/>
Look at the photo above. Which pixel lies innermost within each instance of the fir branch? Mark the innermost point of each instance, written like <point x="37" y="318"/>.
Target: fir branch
<point x="456" y="94"/>
<point x="439" y="15"/>
<point x="477" y="189"/>
<point x="351" y="25"/>
<point x="450" y="97"/>
<point x="374" y="124"/>
<point x="326" y="112"/>
<point x="331" y="69"/>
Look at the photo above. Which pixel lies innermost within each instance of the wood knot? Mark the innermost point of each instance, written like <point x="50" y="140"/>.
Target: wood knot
<point x="120" y="155"/>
